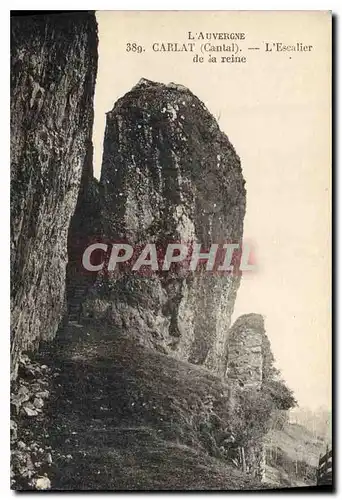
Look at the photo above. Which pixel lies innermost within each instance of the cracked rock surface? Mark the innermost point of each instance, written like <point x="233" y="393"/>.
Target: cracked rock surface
<point x="53" y="71"/>
<point x="169" y="174"/>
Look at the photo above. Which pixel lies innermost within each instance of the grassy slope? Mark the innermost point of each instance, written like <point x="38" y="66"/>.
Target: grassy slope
<point x="294" y="443"/>
<point x="131" y="419"/>
<point x="298" y="443"/>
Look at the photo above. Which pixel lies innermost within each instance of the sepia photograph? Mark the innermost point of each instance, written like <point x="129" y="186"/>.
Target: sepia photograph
<point x="171" y="250"/>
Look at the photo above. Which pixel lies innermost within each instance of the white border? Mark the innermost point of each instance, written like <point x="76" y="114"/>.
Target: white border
<point x="334" y="6"/>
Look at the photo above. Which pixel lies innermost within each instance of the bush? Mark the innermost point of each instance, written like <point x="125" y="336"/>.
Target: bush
<point x="281" y="396"/>
<point x="257" y="409"/>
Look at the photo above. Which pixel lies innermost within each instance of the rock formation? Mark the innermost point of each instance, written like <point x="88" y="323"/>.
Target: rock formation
<point x="53" y="72"/>
<point x="245" y="352"/>
<point x="84" y="225"/>
<point x="169" y="175"/>
<point x="249" y="360"/>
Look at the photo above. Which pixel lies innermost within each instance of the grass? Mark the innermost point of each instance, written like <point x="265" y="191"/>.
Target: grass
<point x="298" y="443"/>
<point x="294" y="457"/>
<point x="123" y="417"/>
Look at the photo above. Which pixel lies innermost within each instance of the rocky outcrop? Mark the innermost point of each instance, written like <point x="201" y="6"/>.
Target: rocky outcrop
<point x="245" y="351"/>
<point x="249" y="361"/>
<point x="53" y="72"/>
<point x="169" y="175"/>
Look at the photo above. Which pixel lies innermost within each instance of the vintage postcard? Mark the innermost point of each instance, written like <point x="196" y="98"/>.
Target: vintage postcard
<point x="171" y="250"/>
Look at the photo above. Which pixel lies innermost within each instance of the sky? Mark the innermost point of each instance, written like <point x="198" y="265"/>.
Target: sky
<point x="275" y="109"/>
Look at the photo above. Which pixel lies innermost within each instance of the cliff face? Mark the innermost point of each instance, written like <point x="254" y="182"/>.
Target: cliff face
<point x="169" y="175"/>
<point x="53" y="72"/>
<point x="84" y="225"/>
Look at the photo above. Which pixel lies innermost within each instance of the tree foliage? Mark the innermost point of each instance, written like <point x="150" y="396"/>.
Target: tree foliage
<point x="259" y="408"/>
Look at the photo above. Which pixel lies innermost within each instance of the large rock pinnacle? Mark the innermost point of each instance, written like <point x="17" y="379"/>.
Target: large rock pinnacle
<point x="169" y="175"/>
